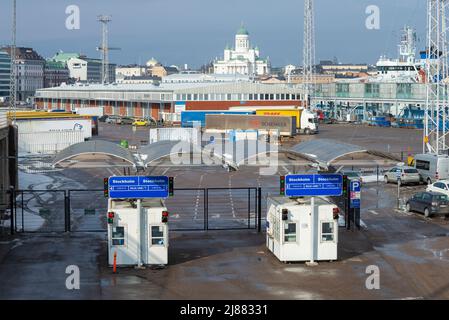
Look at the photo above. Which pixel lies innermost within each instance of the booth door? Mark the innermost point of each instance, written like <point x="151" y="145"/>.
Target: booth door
<point x="158" y="244"/>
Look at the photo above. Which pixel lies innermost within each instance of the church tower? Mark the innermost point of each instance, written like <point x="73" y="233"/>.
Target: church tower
<point x="242" y="40"/>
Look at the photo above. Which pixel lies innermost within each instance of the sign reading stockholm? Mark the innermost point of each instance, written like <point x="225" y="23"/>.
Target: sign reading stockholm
<point x="297" y="185"/>
<point x="138" y="187"/>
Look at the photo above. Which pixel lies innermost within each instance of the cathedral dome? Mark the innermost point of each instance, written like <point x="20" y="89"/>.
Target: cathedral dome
<point x="242" y="31"/>
<point x="152" y="62"/>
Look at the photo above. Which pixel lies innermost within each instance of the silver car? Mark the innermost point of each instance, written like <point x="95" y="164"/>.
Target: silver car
<point x="407" y="175"/>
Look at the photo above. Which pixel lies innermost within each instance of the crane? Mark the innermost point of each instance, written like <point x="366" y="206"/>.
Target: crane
<point x="104" y="48"/>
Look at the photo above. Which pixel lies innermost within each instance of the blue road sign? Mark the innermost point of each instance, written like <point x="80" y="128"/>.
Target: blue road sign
<point x="138" y="187"/>
<point x="354" y="194"/>
<point x="297" y="185"/>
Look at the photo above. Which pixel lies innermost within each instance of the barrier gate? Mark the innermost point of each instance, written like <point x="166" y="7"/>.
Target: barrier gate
<point x="84" y="210"/>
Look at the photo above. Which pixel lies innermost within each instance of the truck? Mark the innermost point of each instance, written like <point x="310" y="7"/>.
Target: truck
<point x="225" y="123"/>
<point x="432" y="167"/>
<point x="191" y="117"/>
<point x="306" y="121"/>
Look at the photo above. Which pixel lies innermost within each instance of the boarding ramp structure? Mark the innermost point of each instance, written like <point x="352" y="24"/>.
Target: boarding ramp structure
<point x="96" y="154"/>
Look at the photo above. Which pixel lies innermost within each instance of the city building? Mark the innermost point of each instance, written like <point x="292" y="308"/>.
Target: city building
<point x="5" y="74"/>
<point x="343" y="70"/>
<point x="55" y="73"/>
<point x="142" y="100"/>
<point x="196" y="77"/>
<point x="156" y="69"/>
<point x="29" y="71"/>
<point x="243" y="59"/>
<point x="298" y="77"/>
<point x="122" y="72"/>
<point x="139" y="80"/>
<point x="84" y="69"/>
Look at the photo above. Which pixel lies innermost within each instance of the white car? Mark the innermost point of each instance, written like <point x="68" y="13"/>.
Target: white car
<point x="441" y="186"/>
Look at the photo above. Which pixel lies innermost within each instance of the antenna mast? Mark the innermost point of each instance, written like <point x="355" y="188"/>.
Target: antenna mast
<point x="436" y="110"/>
<point x="308" y="51"/>
<point x="13" y="79"/>
<point x="104" y="49"/>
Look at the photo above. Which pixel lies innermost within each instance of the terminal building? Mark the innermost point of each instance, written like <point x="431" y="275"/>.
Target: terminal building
<point x="149" y="100"/>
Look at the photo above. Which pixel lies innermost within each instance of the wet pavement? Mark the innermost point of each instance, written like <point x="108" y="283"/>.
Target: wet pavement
<point x="410" y="251"/>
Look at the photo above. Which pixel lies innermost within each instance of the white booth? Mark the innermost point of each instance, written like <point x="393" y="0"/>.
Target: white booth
<point x="295" y="234"/>
<point x="137" y="232"/>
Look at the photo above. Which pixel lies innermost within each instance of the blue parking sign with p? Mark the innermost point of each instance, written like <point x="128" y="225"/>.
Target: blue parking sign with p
<point x="355" y="192"/>
<point x="355" y="186"/>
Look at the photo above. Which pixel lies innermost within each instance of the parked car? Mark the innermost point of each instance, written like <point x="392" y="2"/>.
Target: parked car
<point x="126" y="120"/>
<point x="141" y="123"/>
<point x="112" y="119"/>
<point x="409" y="175"/>
<point x="429" y="203"/>
<point x="103" y="118"/>
<point x="352" y="174"/>
<point x="441" y="186"/>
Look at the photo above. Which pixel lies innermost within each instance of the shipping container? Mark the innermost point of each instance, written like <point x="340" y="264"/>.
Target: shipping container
<point x="90" y="111"/>
<point x="189" y="118"/>
<point x="56" y="125"/>
<point x="35" y="121"/>
<point x="264" y="124"/>
<point x="306" y="121"/>
<point x="48" y="142"/>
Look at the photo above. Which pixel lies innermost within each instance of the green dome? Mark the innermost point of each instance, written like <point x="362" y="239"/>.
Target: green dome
<point x="242" y="31"/>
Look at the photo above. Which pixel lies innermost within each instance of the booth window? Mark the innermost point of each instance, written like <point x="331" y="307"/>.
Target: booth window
<point x="327" y="231"/>
<point x="290" y="232"/>
<point x="157" y="235"/>
<point x="118" y="236"/>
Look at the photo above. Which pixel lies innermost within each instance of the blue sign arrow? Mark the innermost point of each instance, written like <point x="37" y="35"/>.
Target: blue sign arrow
<point x="138" y="187"/>
<point x="297" y="185"/>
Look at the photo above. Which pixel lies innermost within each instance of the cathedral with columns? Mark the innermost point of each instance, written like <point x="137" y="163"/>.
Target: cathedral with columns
<point x="243" y="59"/>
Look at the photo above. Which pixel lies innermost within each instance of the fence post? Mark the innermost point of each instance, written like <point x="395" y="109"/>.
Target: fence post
<point x="205" y="208"/>
<point x="377" y="174"/>
<point x="12" y="211"/>
<point x="67" y="210"/>
<point x="259" y="209"/>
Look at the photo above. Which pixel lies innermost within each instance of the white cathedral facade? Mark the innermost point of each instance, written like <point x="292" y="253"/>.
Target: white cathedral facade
<point x="243" y="59"/>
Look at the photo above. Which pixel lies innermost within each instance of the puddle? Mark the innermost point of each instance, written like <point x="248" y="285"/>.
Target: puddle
<point x="121" y="280"/>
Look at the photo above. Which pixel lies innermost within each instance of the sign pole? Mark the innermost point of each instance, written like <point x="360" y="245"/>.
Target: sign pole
<point x="399" y="194"/>
<point x="313" y="232"/>
<point x="141" y="233"/>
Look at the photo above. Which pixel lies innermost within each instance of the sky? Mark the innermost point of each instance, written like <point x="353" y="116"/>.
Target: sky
<point x="194" y="32"/>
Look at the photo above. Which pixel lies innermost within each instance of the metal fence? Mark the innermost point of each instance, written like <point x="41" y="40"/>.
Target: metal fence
<point x="39" y="211"/>
<point x="85" y="210"/>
